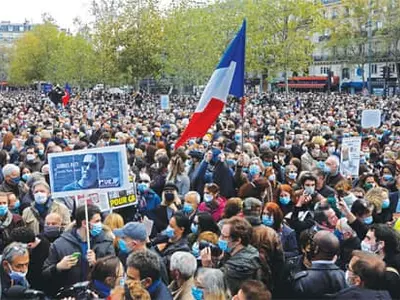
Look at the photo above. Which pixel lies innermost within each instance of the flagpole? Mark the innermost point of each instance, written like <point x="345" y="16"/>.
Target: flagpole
<point x="242" y="121"/>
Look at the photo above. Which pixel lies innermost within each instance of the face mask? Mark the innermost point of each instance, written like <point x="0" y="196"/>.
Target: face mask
<point x="196" y="250"/>
<point x="268" y="220"/>
<point x="388" y="177"/>
<point x="254" y="170"/>
<point x="123" y="246"/>
<point x="96" y="229"/>
<point x="292" y="176"/>
<point x="131" y="147"/>
<point x="385" y="203"/>
<point x="187" y="208"/>
<point x="309" y="190"/>
<point x="368" y="220"/>
<point x="327" y="170"/>
<point x="52" y="231"/>
<point x="348" y="279"/>
<point x="368" y="186"/>
<point x="272" y="177"/>
<point x="30" y="157"/>
<point x="26" y="177"/>
<point x="169" y="197"/>
<point x="16" y="276"/>
<point x="194" y="228"/>
<point x="231" y="162"/>
<point x="146" y="139"/>
<point x="284" y="200"/>
<point x="331" y="150"/>
<point x="197" y="293"/>
<point x="15" y="180"/>
<point x="40" y="198"/>
<point x="238" y="138"/>
<point x="208" y="198"/>
<point x="169" y="232"/>
<point x="368" y="248"/>
<point x="223" y="245"/>
<point x="3" y="210"/>
<point x="349" y="199"/>
<point x="17" y="204"/>
<point x="143" y="187"/>
<point x="267" y="164"/>
<point x="41" y="152"/>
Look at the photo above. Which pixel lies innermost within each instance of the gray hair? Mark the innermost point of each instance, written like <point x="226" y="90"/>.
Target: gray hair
<point x="212" y="280"/>
<point x="35" y="176"/>
<point x="41" y="182"/>
<point x="8" y="169"/>
<point x="146" y="262"/>
<point x="335" y="158"/>
<point x="198" y="198"/>
<point x="184" y="262"/>
<point x="13" y="250"/>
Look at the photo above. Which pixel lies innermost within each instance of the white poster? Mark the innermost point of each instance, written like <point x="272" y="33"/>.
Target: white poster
<point x="350" y="156"/>
<point x="371" y="118"/>
<point x="164" y="101"/>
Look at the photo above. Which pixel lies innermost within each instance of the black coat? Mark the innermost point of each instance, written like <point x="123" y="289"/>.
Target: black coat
<point x="67" y="244"/>
<point x="319" y="281"/>
<point x="356" y="293"/>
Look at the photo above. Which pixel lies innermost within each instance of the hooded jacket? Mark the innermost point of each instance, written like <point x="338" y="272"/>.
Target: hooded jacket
<point x="68" y="243"/>
<point x="242" y="266"/>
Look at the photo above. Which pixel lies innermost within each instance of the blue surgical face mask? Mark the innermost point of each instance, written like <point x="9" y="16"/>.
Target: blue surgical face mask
<point x="267" y="164"/>
<point x="368" y="220"/>
<point x="385" y="203"/>
<point x="223" y="245"/>
<point x="41" y="152"/>
<point x="292" y="176"/>
<point x="17" y="204"/>
<point x="3" y="210"/>
<point x="96" y="229"/>
<point x="238" y="138"/>
<point x="187" y="208"/>
<point x="197" y="293"/>
<point x="15" y="180"/>
<point x="268" y="220"/>
<point x="272" y="177"/>
<point x="142" y="187"/>
<point x="169" y="232"/>
<point x="196" y="250"/>
<point x="254" y="170"/>
<point x="123" y="247"/>
<point x="284" y="200"/>
<point x="207" y="198"/>
<point x="231" y="162"/>
<point x="16" y="276"/>
<point x="327" y="170"/>
<point x="131" y="147"/>
<point x="194" y="228"/>
<point x="26" y="177"/>
<point x="388" y="177"/>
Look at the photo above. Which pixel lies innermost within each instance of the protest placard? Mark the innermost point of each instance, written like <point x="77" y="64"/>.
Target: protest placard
<point x="350" y="156"/>
<point x="89" y="171"/>
<point x="119" y="199"/>
<point x="164" y="101"/>
<point x="371" y="118"/>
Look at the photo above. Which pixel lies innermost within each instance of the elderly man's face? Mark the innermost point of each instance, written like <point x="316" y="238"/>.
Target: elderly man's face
<point x="89" y="169"/>
<point x="19" y="263"/>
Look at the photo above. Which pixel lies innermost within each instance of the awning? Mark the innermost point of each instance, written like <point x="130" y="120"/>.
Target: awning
<point x="353" y="84"/>
<point x="304" y="85"/>
<point x="3" y="82"/>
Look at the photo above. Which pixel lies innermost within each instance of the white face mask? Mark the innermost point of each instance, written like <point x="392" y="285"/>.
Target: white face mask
<point x="40" y="198"/>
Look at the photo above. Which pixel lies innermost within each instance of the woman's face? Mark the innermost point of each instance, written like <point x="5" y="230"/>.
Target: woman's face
<point x="284" y="194"/>
<point x="178" y="230"/>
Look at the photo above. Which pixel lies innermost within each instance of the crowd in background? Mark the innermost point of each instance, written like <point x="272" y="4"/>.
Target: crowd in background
<point x="257" y="208"/>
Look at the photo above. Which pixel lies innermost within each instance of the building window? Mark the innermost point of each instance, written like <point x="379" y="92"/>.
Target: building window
<point x="10" y="28"/>
<point x="324" y="70"/>
<point x="374" y="69"/>
<point x="21" y="28"/>
<point x="392" y="68"/>
<point x="346" y="73"/>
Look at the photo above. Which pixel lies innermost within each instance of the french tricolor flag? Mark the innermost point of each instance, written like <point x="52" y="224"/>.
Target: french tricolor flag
<point x="227" y="79"/>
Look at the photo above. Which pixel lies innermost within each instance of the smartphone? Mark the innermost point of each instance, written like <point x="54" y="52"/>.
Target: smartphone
<point x="76" y="254"/>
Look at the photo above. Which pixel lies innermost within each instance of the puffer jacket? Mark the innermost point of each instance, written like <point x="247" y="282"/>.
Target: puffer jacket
<point x="68" y="243"/>
<point x="242" y="266"/>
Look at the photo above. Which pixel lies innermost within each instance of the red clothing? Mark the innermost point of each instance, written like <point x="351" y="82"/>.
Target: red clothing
<point x="217" y="212"/>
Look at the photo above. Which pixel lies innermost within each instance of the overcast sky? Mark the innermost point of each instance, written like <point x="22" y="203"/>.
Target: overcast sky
<point x="64" y="11"/>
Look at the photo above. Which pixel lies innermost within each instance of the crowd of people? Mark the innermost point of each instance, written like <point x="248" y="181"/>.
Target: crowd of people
<point x="257" y="208"/>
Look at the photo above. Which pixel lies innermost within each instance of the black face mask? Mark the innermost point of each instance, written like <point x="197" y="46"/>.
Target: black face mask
<point x="169" y="197"/>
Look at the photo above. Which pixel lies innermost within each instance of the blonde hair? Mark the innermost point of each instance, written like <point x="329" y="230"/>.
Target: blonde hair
<point x="376" y="195"/>
<point x="208" y="236"/>
<point x="114" y="221"/>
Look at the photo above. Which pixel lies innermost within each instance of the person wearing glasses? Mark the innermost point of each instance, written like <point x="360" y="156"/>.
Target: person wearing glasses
<point x="14" y="267"/>
<point x="91" y="166"/>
